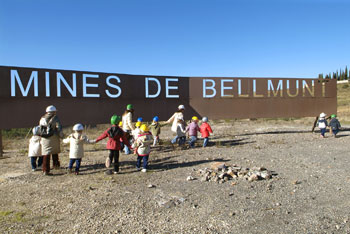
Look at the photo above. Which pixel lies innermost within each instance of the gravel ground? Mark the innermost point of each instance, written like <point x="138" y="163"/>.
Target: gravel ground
<point x="308" y="194"/>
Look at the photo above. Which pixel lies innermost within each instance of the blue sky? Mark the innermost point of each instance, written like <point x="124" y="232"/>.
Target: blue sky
<point x="287" y="38"/>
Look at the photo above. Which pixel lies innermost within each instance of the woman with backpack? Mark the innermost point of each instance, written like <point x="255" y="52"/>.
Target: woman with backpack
<point x="50" y="141"/>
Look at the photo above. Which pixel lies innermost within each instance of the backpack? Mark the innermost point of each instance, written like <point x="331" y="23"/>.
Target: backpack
<point x="46" y="131"/>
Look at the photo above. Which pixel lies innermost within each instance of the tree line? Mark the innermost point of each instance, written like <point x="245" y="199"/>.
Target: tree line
<point x="338" y="74"/>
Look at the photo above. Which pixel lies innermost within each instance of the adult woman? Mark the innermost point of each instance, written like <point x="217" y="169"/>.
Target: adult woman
<point x="175" y="119"/>
<point x="50" y="144"/>
<point x="127" y="124"/>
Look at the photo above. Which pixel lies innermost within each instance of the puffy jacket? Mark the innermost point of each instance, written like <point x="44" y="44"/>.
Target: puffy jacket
<point x="76" y="142"/>
<point x="205" y="129"/>
<point x="192" y="129"/>
<point x="127" y="122"/>
<point x="34" y="146"/>
<point x="114" y="134"/>
<point x="174" y="119"/>
<point x="143" y="144"/>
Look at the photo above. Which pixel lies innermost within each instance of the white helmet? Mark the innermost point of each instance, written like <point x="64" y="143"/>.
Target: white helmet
<point x="51" y="108"/>
<point x="78" y="127"/>
<point x="205" y="119"/>
<point x="181" y="107"/>
<point x="36" y="130"/>
<point x="322" y="115"/>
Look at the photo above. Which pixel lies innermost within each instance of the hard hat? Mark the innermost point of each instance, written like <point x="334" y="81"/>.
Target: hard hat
<point x="36" y="130"/>
<point x="156" y="118"/>
<point x="144" y="128"/>
<point x="139" y="119"/>
<point x="322" y="115"/>
<point x="333" y="116"/>
<point x="78" y="127"/>
<point x="120" y="123"/>
<point x="181" y="107"/>
<point x="195" y="118"/>
<point x="138" y="124"/>
<point x="115" y="119"/>
<point x="129" y="107"/>
<point x="51" y="108"/>
<point x="205" y="119"/>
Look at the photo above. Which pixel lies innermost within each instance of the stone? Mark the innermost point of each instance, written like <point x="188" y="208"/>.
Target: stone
<point x="266" y="175"/>
<point x="189" y="178"/>
<point x="253" y="177"/>
<point x="204" y="178"/>
<point x="232" y="214"/>
<point x="217" y="165"/>
<point x="151" y="186"/>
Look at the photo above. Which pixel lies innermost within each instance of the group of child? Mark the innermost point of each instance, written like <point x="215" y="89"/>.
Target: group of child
<point x="139" y="141"/>
<point x="334" y="124"/>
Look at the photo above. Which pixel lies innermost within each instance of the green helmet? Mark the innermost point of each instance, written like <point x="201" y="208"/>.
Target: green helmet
<point x="115" y="119"/>
<point x="129" y="107"/>
<point x="333" y="116"/>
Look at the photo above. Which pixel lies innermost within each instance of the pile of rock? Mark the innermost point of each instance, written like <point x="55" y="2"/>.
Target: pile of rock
<point x="219" y="172"/>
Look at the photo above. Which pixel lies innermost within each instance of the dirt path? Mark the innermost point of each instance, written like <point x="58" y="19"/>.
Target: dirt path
<point x="309" y="194"/>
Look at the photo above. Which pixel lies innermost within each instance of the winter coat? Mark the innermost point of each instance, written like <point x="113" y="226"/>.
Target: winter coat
<point x="192" y="129"/>
<point x="205" y="129"/>
<point x="76" y="148"/>
<point x="114" y="134"/>
<point x="334" y="124"/>
<point x="143" y="144"/>
<point x="155" y="129"/>
<point x="180" y="130"/>
<point x="51" y="145"/>
<point x="136" y="132"/>
<point x="34" y="146"/>
<point x="174" y="119"/>
<point x="322" y="123"/>
<point x="127" y="122"/>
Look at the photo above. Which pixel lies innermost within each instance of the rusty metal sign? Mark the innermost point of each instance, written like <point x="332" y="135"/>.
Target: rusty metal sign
<point x="92" y="97"/>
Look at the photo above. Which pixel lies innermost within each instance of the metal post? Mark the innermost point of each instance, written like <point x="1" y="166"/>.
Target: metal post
<point x="0" y="143"/>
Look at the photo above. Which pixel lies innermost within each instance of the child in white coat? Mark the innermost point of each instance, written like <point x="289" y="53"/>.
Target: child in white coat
<point x="34" y="151"/>
<point x="142" y="147"/>
<point x="76" y="150"/>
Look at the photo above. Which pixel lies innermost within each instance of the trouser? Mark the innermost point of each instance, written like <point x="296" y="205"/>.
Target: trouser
<point x="145" y="161"/>
<point x="77" y="165"/>
<point x="46" y="162"/>
<point x="114" y="154"/>
<point x="335" y="131"/>
<point x="205" y="141"/>
<point x="126" y="148"/>
<point x="182" y="140"/>
<point x="33" y="161"/>
<point x="55" y="161"/>
<point x="192" y="140"/>
<point x="323" y="131"/>
<point x="155" y="140"/>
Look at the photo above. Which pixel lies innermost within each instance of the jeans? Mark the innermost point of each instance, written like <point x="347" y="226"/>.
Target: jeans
<point x="335" y="131"/>
<point x="33" y="161"/>
<point x="77" y="165"/>
<point x="323" y="131"/>
<point x="182" y="140"/>
<point x="205" y="141"/>
<point x="126" y="149"/>
<point x="193" y="140"/>
<point x="114" y="154"/>
<point x="145" y="161"/>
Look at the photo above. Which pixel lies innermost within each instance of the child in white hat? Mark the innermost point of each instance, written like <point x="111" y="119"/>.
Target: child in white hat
<point x="34" y="151"/>
<point x="76" y="150"/>
<point x="322" y="124"/>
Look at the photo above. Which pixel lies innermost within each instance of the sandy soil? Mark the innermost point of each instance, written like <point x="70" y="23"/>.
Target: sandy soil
<point x="309" y="194"/>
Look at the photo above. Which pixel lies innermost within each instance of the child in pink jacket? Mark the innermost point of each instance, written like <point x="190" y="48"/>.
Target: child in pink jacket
<point x="192" y="130"/>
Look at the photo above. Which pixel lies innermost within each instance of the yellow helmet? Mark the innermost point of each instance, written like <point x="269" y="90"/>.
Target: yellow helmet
<point x="195" y="118"/>
<point x="138" y="124"/>
<point x="144" y="128"/>
<point x="120" y="124"/>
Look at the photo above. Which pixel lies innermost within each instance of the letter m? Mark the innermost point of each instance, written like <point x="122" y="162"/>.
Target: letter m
<point x="16" y="79"/>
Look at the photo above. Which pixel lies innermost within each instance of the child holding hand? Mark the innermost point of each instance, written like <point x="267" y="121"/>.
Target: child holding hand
<point x="76" y="140"/>
<point x="205" y="130"/>
<point x="155" y="130"/>
<point x="142" y="147"/>
<point x="192" y="130"/>
<point x="115" y="134"/>
<point x="34" y="151"/>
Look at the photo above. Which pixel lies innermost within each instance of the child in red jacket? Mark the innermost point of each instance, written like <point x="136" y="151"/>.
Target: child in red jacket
<point x="205" y="129"/>
<point x="115" y="134"/>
